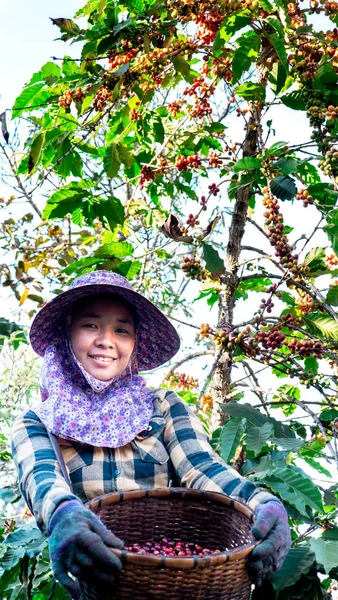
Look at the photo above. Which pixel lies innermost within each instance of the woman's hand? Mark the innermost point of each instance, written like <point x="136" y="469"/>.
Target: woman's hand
<point x="272" y="527"/>
<point x="79" y="544"/>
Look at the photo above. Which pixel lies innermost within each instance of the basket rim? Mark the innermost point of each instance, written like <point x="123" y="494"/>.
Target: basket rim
<point x="184" y="562"/>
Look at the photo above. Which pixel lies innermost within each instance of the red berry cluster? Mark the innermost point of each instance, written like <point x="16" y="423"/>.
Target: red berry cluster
<point x="183" y="163"/>
<point x="182" y="381"/>
<point x="135" y="115"/>
<point x="175" y="107"/>
<point x="305" y="197"/>
<point x="147" y="174"/>
<point x="200" y="109"/>
<point x="214" y="190"/>
<point x="199" y="91"/>
<point x="121" y="59"/>
<point x="266" y="305"/>
<point x="331" y="260"/>
<point x="66" y="99"/>
<point x="271" y="339"/>
<point x="170" y="548"/>
<point x="277" y="237"/>
<point x="192" y="269"/>
<point x="305" y="348"/>
<point x="192" y="220"/>
<point x="203" y="203"/>
<point x="209" y="24"/>
<point x="102" y="98"/>
<point x="214" y="160"/>
<point x="305" y="303"/>
<point x="206" y="330"/>
<point x="162" y="165"/>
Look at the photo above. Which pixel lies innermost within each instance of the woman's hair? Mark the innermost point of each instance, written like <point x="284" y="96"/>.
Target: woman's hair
<point x="83" y="302"/>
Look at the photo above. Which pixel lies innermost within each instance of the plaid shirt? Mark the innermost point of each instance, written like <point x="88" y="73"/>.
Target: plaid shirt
<point x="173" y="451"/>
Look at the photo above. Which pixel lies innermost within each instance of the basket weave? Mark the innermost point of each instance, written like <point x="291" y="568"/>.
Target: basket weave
<point x="209" y="519"/>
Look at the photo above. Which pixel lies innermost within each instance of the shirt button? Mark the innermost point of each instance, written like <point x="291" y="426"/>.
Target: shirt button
<point x="149" y="427"/>
<point x="117" y="472"/>
<point x="129" y="401"/>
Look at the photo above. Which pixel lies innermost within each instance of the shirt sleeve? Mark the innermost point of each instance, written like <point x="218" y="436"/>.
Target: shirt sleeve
<point x="40" y="478"/>
<point x="196" y="463"/>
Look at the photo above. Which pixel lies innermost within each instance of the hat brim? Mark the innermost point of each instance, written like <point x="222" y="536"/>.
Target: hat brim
<point x="157" y="339"/>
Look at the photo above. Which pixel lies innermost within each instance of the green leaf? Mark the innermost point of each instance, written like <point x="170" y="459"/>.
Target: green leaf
<point x="287" y="493"/>
<point x="315" y="260"/>
<point x="26" y="99"/>
<point x="230" y="26"/>
<point x="117" y="249"/>
<point x="248" y="47"/>
<point x="324" y="194"/>
<point x="230" y="437"/>
<point x="287" y="165"/>
<point x="328" y="414"/>
<point x="82" y="265"/>
<point x="277" y="77"/>
<point x="256" y="437"/>
<point x="326" y="552"/>
<point x="260" y="467"/>
<point x="332" y="295"/>
<point x="294" y="100"/>
<point x="297" y="562"/>
<point x="35" y="152"/>
<point x="247" y="163"/>
<point x="314" y="464"/>
<point x="331" y="230"/>
<point x="255" y="417"/>
<point x="158" y="129"/>
<point x="322" y="325"/>
<point x="181" y="66"/>
<point x="68" y="28"/>
<point x="112" y="161"/>
<point x="308" y="172"/>
<point x="129" y="268"/>
<point x="311" y="364"/>
<point x="126" y="156"/>
<point x="213" y="262"/>
<point x="278" y="43"/>
<point x="291" y="444"/>
<point x="283" y="187"/>
<point x="326" y="74"/>
<point x="69" y="66"/>
<point x="50" y="72"/>
<point x="251" y="91"/>
<point x="8" y="328"/>
<point x="303" y="485"/>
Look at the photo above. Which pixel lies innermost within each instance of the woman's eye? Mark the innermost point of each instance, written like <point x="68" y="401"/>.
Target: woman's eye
<point x="89" y="325"/>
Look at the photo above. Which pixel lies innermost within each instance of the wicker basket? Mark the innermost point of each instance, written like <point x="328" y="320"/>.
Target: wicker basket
<point x="209" y="519"/>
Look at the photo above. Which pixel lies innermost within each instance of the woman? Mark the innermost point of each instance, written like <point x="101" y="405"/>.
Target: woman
<point x="115" y="433"/>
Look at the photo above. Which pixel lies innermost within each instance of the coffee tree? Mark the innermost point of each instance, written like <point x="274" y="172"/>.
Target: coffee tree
<point x="153" y="153"/>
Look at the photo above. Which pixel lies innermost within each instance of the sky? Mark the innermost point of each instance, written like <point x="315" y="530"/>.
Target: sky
<point x="26" y="41"/>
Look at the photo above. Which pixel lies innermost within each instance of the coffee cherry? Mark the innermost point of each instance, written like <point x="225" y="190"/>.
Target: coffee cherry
<point x="168" y="547"/>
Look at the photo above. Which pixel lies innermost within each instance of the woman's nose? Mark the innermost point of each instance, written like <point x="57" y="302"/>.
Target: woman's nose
<point x="105" y="338"/>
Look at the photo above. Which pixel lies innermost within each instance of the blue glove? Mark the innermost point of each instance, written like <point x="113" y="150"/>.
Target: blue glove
<point x="272" y="527"/>
<point x="79" y="544"/>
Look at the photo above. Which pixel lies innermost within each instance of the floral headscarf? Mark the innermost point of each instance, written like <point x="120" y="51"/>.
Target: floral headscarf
<point x="78" y="407"/>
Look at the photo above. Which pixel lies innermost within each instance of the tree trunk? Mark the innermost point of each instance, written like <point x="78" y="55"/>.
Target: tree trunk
<point x="222" y="378"/>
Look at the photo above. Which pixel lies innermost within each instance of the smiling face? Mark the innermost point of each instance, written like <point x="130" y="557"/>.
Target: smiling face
<point x="102" y="336"/>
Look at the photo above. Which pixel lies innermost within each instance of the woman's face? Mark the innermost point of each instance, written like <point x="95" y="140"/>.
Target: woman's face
<point x="102" y="335"/>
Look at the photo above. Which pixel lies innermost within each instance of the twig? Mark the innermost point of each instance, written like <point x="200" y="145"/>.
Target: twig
<point x="185" y="359"/>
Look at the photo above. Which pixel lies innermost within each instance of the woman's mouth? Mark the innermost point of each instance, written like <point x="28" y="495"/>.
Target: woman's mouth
<point x="102" y="359"/>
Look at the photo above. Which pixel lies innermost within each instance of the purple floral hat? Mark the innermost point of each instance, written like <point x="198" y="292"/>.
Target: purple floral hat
<point x="157" y="339"/>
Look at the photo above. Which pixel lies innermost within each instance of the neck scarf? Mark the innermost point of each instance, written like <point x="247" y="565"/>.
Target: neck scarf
<point x="78" y="407"/>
